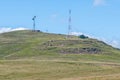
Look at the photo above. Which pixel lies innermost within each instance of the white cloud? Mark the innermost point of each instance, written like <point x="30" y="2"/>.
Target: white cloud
<point x="76" y="33"/>
<point x="4" y="29"/>
<point x="17" y="29"/>
<point x="114" y="43"/>
<point x="53" y="17"/>
<point x="99" y="2"/>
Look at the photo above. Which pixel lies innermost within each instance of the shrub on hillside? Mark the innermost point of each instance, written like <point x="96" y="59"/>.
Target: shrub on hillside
<point x="83" y="36"/>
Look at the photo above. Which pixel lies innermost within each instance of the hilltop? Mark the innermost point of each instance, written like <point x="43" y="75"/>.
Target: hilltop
<point x="27" y="55"/>
<point x="28" y="44"/>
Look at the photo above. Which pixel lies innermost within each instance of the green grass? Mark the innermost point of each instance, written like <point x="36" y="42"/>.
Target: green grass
<point x="58" y="70"/>
<point x="23" y="44"/>
<point x="27" y="55"/>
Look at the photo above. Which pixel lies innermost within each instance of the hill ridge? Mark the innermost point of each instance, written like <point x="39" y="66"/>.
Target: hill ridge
<point x="24" y="44"/>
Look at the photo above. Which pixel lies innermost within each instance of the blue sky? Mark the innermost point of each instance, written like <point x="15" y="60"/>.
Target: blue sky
<point x="97" y="18"/>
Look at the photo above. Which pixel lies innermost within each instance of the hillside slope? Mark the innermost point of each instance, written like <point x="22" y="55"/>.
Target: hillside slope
<point x="27" y="55"/>
<point x="38" y="45"/>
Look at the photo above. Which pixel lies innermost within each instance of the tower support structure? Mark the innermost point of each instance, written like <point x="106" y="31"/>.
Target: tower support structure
<point x="34" y="25"/>
<point x="69" y="23"/>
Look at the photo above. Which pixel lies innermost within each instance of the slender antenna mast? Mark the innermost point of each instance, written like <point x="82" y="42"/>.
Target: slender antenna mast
<point x="69" y="25"/>
<point x="34" y="23"/>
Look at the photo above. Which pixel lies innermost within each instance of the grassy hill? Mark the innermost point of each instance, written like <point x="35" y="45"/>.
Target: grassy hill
<point x="31" y="55"/>
<point x="28" y="44"/>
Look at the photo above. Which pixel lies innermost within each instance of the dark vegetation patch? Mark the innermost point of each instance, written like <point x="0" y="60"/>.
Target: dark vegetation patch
<point x="69" y="46"/>
<point x="80" y="50"/>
